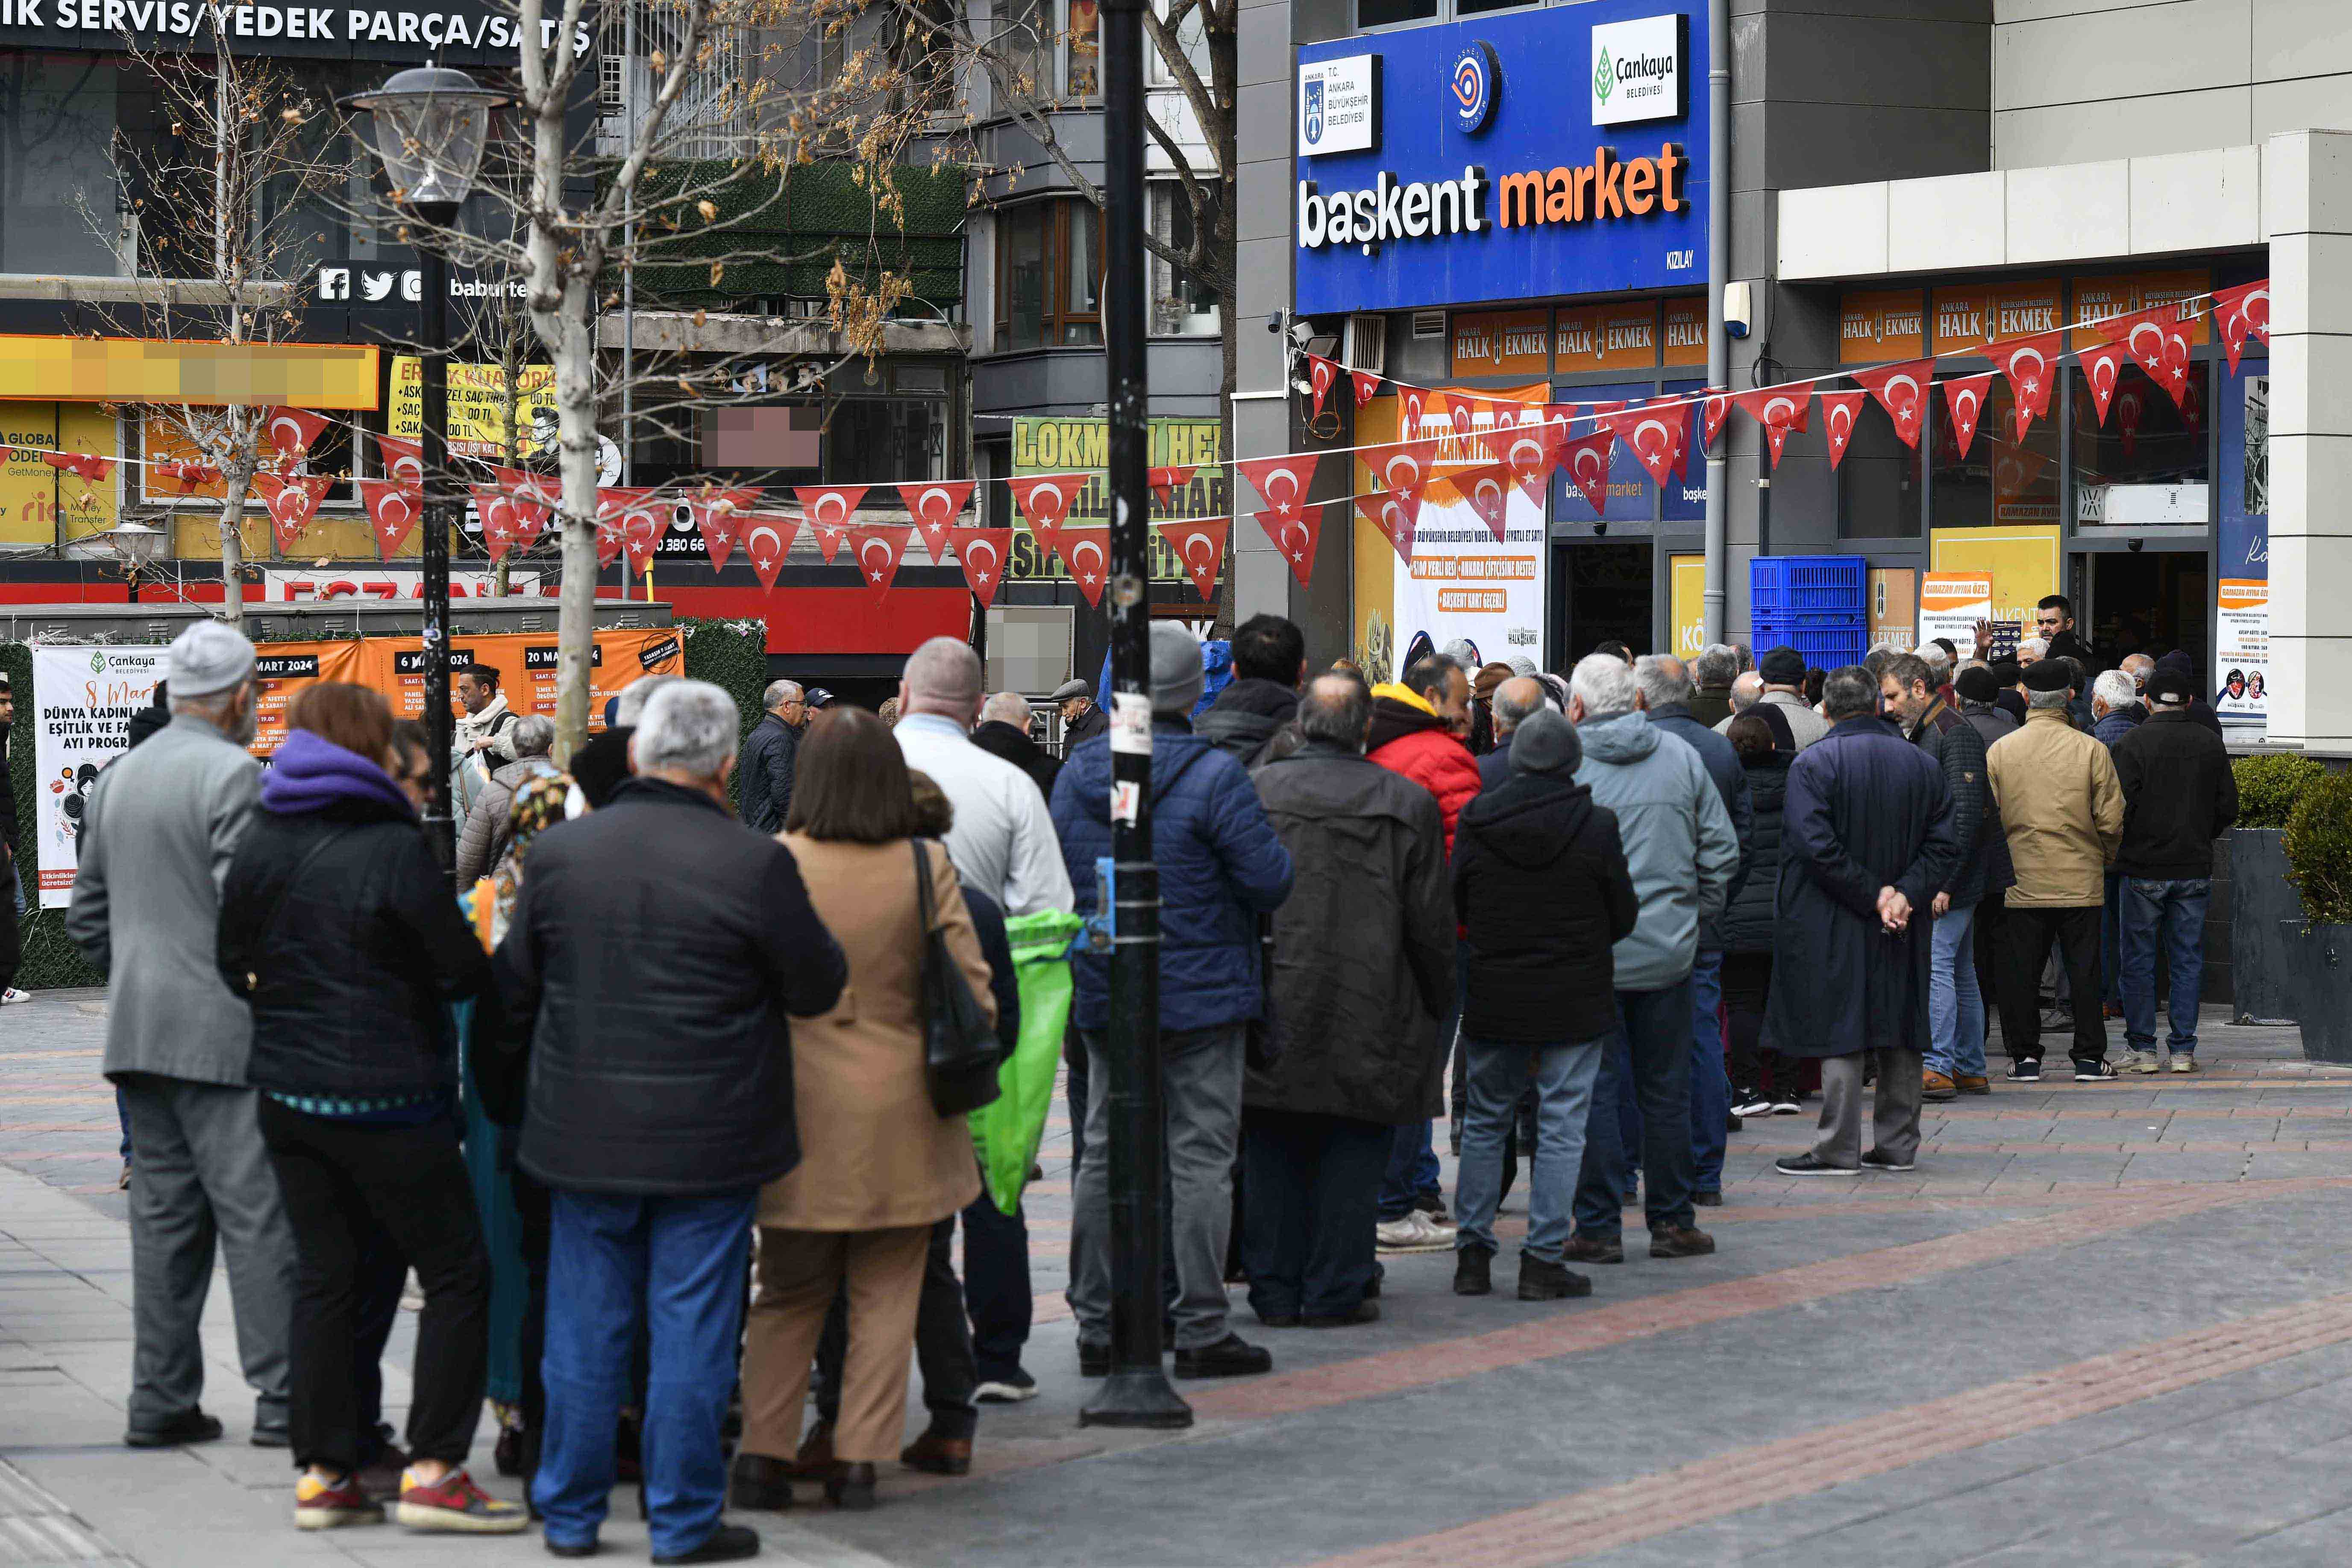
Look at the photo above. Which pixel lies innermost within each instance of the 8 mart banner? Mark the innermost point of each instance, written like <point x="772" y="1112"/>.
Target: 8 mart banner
<point x="526" y="665"/>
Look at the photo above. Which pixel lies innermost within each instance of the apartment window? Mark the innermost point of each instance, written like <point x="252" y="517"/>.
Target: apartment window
<point x="1024" y="39"/>
<point x="1192" y="41"/>
<point x="1181" y="305"/>
<point x="1048" y="276"/>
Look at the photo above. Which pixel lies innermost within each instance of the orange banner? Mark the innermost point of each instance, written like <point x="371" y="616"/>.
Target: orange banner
<point x="1686" y="331"/>
<point x="1974" y="316"/>
<point x="1606" y="337"/>
<point x="1502" y="342"/>
<point x="526" y="665"/>
<point x="1882" y="325"/>
<point x="282" y="669"/>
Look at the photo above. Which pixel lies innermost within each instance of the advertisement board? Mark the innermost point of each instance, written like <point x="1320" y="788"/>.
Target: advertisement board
<point x="1951" y="606"/>
<point x="1686" y="603"/>
<point x="83" y="698"/>
<point x="2241" y="644"/>
<point x="454" y="32"/>
<point x="2023" y="564"/>
<point x="1042" y="445"/>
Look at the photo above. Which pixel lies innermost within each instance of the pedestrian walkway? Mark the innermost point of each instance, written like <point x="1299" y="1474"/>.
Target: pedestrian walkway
<point x="2101" y="1323"/>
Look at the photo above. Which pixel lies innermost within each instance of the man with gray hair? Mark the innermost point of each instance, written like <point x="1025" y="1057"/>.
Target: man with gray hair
<point x="489" y="834"/>
<point x="1516" y="700"/>
<point x="1712" y="673"/>
<point x="1682" y="853"/>
<point x="1003" y="841"/>
<point x="157" y="833"/>
<point x="1003" y="731"/>
<point x="654" y="961"/>
<point x="770" y="752"/>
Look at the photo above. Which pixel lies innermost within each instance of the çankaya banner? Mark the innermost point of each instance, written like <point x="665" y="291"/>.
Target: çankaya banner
<point x="1477" y="178"/>
<point x="466" y="33"/>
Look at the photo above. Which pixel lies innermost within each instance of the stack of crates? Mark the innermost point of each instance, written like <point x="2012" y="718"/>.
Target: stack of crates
<point x="1818" y="605"/>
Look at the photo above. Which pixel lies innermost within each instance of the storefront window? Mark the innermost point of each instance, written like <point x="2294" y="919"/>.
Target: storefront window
<point x="1180" y="304"/>
<point x="2002" y="481"/>
<point x="56" y="168"/>
<point x="1394" y="12"/>
<point x="874" y="440"/>
<point x="1631" y="496"/>
<point x="1877" y="480"/>
<point x="1049" y="276"/>
<point x="2146" y="465"/>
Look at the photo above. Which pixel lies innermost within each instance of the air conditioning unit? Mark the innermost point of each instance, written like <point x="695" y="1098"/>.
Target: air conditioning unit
<point x="1429" y="324"/>
<point x="1366" y="343"/>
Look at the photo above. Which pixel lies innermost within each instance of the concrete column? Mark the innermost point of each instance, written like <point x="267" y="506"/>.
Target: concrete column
<point x="1262" y="579"/>
<point x="2307" y="213"/>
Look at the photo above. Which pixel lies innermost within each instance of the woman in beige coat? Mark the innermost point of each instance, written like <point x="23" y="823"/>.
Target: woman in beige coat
<point x="878" y="1167"/>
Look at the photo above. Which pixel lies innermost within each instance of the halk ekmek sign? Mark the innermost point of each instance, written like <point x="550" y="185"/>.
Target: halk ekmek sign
<point x="1444" y="166"/>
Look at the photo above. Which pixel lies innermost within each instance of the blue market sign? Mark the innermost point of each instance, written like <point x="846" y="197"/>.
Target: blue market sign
<point x="1468" y="193"/>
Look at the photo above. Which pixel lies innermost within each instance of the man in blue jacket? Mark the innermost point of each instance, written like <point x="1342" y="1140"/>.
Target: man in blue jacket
<point x="1221" y="866"/>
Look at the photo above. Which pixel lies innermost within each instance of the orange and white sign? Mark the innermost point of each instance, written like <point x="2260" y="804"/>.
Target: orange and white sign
<point x="1951" y="603"/>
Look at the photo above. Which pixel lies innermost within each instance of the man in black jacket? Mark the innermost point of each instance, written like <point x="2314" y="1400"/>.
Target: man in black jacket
<point x="656" y="949"/>
<point x="1269" y="661"/>
<point x="1003" y="731"/>
<point x="1082" y="721"/>
<point x="769" y="754"/>
<point x="2180" y="795"/>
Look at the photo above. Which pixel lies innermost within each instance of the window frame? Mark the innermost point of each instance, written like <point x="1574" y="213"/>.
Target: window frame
<point x="1056" y="317"/>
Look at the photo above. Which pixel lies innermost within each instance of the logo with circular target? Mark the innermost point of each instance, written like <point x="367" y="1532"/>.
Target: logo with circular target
<point x="1475" y="83"/>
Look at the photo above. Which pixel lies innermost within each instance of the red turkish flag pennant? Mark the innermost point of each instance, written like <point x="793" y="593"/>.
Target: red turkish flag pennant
<point x="1281" y="481"/>
<point x="1839" y="411"/>
<point x="294" y="431"/>
<point x="1413" y="405"/>
<point x="829" y="506"/>
<point x="1677" y="411"/>
<point x="1585" y="460"/>
<point x="497" y="511"/>
<point x="2240" y="312"/>
<point x="1368" y="385"/>
<point x="1779" y="409"/>
<point x="2103" y="367"/>
<point x="1165" y="482"/>
<point x="1295" y="534"/>
<point x="393" y="510"/>
<point x="1529" y="449"/>
<point x="1651" y="433"/>
<point x="642" y="527"/>
<point x="879" y="550"/>
<point x="1964" y="400"/>
<point x="2032" y="366"/>
<point x="719" y="517"/>
<point x="1087" y="553"/>
<point x="935" y="507"/>
<point x="535" y="498"/>
<point x="1046" y="501"/>
<point x="1405" y="467"/>
<point x="82" y="465"/>
<point x="2128" y="409"/>
<point x="1199" y="546"/>
<point x="1488" y="492"/>
<point x="613" y="504"/>
<point x="1713" y="413"/>
<point x="1901" y="391"/>
<point x="1461" y="413"/>
<point x="1321" y="375"/>
<point x="766" y="537"/>
<point x="981" y="552"/>
<point x="1386" y="511"/>
<point x="191" y="474"/>
<point x="403" y="460"/>
<point x="293" y="503"/>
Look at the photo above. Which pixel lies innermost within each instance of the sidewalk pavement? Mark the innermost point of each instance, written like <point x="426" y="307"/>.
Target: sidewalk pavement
<point x="2103" y="1322"/>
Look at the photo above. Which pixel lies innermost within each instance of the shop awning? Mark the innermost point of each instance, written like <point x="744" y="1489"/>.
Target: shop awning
<point x="140" y="370"/>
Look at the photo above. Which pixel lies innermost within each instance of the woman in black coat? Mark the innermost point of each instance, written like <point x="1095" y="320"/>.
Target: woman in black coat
<point x="338" y="927"/>
<point x="1763" y="1082"/>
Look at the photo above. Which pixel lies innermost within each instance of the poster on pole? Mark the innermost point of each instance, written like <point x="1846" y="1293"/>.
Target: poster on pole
<point x="1951" y="606"/>
<point x="83" y="698"/>
<point x="2241" y="651"/>
<point x="2241" y="644"/>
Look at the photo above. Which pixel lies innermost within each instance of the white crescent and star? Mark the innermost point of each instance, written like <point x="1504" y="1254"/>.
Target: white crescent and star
<point x="1078" y="551"/>
<point x="974" y="550"/>
<point x="875" y="573"/>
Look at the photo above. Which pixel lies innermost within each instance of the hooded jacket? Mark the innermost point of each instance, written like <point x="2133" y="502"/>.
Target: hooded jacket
<point x="1410" y="737"/>
<point x="1678" y="839"/>
<point x="1541" y="885"/>
<point x="338" y="928"/>
<point x="1722" y="762"/>
<point x="1245" y="717"/>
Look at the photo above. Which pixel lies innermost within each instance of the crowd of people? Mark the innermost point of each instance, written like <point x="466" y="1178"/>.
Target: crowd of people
<point x="666" y="1059"/>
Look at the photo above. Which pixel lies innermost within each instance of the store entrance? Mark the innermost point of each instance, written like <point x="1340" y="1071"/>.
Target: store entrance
<point x="1601" y="593"/>
<point x="2148" y="602"/>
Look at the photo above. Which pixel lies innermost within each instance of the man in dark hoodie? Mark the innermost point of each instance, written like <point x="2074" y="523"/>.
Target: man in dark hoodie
<point x="1269" y="662"/>
<point x="2179" y="662"/>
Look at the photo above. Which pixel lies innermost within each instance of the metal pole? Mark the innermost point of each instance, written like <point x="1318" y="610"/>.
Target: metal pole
<point x="1137" y="1393"/>
<point x="433" y="409"/>
<point x="1719" y="273"/>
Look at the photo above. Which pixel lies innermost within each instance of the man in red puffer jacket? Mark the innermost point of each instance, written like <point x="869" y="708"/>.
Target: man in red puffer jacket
<point x="1418" y="726"/>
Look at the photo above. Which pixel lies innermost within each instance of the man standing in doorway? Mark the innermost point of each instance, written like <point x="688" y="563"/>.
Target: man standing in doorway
<point x="2054" y="618"/>
<point x="769" y="754"/>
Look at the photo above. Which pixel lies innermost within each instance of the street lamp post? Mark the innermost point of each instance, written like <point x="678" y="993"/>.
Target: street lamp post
<point x="137" y="546"/>
<point x="428" y="126"/>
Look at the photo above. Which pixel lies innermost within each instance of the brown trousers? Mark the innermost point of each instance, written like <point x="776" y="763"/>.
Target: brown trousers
<point x="799" y="1272"/>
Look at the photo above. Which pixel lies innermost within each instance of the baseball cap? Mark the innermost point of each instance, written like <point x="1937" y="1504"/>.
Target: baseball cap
<point x="2171" y="686"/>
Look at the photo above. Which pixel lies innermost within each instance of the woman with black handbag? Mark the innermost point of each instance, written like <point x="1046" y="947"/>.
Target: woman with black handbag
<point x="880" y="1087"/>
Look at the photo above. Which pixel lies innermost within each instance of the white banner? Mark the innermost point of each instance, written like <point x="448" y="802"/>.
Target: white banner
<point x="280" y="584"/>
<point x="2241" y="655"/>
<point x="1464" y="584"/>
<point x="1951" y="606"/>
<point x="83" y="698"/>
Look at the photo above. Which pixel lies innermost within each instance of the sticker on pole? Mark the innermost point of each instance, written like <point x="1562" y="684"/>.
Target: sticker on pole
<point x="1126" y="802"/>
<point x="1130" y="723"/>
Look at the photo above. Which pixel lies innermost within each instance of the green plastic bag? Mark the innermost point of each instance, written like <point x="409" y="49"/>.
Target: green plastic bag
<point x="1006" y="1132"/>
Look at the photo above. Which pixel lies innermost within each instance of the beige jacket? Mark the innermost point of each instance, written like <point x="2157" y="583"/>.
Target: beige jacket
<point x="2064" y="808"/>
<point x="874" y="1155"/>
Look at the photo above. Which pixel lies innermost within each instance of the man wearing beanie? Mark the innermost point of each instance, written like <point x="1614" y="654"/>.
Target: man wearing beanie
<point x="156" y="834"/>
<point x="1219" y="867"/>
<point x="2063" y="812"/>
<point x="1783" y="669"/>
<point x="1541" y="885"/>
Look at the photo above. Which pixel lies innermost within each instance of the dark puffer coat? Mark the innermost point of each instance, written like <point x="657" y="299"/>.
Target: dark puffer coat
<point x="1747" y="921"/>
<point x="1245" y="717"/>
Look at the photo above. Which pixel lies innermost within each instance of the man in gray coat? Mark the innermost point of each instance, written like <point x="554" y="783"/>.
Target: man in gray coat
<point x="157" y="839"/>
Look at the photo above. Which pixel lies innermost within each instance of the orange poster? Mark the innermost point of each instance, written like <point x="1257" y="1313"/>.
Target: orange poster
<point x="2095" y="297"/>
<point x="1882" y="325"/>
<point x="1502" y="342"/>
<point x="1975" y="316"/>
<point x="1606" y="337"/>
<point x="282" y="669"/>
<point x="526" y="665"/>
<point x="1686" y="331"/>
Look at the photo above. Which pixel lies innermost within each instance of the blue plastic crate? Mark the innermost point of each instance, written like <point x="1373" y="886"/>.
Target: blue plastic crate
<point x="1824" y="641"/>
<point x="1789" y="584"/>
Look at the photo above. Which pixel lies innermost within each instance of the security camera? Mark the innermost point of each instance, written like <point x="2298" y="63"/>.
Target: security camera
<point x="1600" y="529"/>
<point x="1274" y="322"/>
<point x="2135" y="545"/>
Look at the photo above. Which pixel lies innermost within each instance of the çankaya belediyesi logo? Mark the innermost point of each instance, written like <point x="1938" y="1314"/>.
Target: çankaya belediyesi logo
<point x="1604" y="77"/>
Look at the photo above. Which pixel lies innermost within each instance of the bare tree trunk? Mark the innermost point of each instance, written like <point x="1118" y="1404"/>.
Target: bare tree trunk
<point x="574" y="356"/>
<point x="239" y="472"/>
<point x="232" y="545"/>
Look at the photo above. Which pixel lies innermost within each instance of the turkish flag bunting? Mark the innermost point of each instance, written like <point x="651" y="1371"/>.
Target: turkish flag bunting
<point x="879" y="550"/>
<point x="1901" y="391"/>
<point x="535" y="497"/>
<point x="719" y="518"/>
<point x="1839" y="411"/>
<point x="1779" y="409"/>
<point x="829" y="506"/>
<point x="82" y="464"/>
<point x="613" y="504"/>
<point x="1386" y="511"/>
<point x="766" y="537"/>
<point x="1282" y="482"/>
<point x="2243" y="310"/>
<point x="1295" y="533"/>
<point x="1405" y="469"/>
<point x="1199" y="546"/>
<point x="1585" y="459"/>
<point x="1530" y="448"/>
<point x="2128" y="409"/>
<point x="1677" y="411"/>
<point x="2032" y="366"/>
<point x="294" y="431"/>
<point x="1045" y="500"/>
<point x="403" y="460"/>
<point x="1165" y="482"/>
<point x="1462" y="414"/>
<point x="293" y="502"/>
<point x="981" y="552"/>
<point x="391" y="510"/>
<point x="1413" y="405"/>
<point x="1368" y="385"/>
<point x="1488" y="492"/>
<point x="191" y="475"/>
<point x="642" y="527"/>
<point x="496" y="510"/>
<point x="2103" y="367"/>
<point x="2148" y="336"/>
<point x="1716" y="409"/>
<point x="1651" y="433"/>
<point x="1087" y="553"/>
<point x="1964" y="400"/>
<point x="1320" y="373"/>
<point x="935" y="507"/>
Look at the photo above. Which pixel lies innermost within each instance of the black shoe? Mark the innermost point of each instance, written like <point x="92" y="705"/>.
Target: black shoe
<point x="1809" y="1164"/>
<point x="2024" y="1072"/>
<point x="1094" y="1360"/>
<point x="1474" y="1272"/>
<point x="1278" y="1319"/>
<point x="1232" y="1356"/>
<point x="1680" y="1241"/>
<point x="2092" y="1072"/>
<point x="1541" y="1281"/>
<point x="1372" y="1291"/>
<point x="728" y="1544"/>
<point x="1731" y="1122"/>
<point x="852" y="1487"/>
<point x="272" y="1437"/>
<point x="1879" y="1160"/>
<point x="1707" y="1200"/>
<point x="586" y="1549"/>
<point x="1365" y="1312"/>
<point x="761" y="1482"/>
<point x="189" y="1426"/>
<point x="1582" y="1248"/>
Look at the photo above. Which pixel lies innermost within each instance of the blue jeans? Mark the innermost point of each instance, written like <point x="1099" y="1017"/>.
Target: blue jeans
<point x="1499" y="1073"/>
<point x="1412" y="1180"/>
<point x="2174" y="913"/>
<point x="1710" y="1090"/>
<point x="1654" y="1027"/>
<point x="676" y="1265"/>
<point x="1956" y="1015"/>
<point x="2111" y="940"/>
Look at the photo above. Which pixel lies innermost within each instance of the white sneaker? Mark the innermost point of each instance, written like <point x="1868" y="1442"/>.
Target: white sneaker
<point x="2138" y="1061"/>
<point x="1758" y="1105"/>
<point x="12" y="995"/>
<point x="1414" y="1233"/>
<point x="2181" y="1062"/>
<point x="1785" y="1108"/>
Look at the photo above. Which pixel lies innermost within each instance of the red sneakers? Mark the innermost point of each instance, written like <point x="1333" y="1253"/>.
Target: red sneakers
<point x="330" y="1505"/>
<point x="456" y="1503"/>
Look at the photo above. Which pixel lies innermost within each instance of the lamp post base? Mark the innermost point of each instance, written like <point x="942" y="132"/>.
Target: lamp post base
<point x="1142" y="1398"/>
